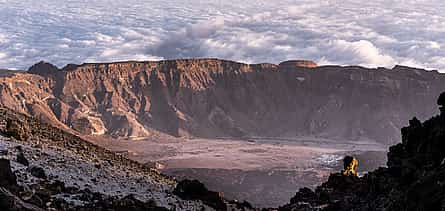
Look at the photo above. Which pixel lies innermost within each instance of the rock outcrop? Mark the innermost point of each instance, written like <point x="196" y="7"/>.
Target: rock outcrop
<point x="298" y="63"/>
<point x="350" y="165"/>
<point x="7" y="177"/>
<point x="413" y="180"/>
<point x="195" y="190"/>
<point x="217" y="98"/>
<point x="43" y="68"/>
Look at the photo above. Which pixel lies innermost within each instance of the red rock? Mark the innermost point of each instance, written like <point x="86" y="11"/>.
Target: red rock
<point x="298" y="63"/>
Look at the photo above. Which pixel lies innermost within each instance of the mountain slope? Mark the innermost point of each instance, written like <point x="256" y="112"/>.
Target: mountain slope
<point x="217" y="98"/>
<point x="42" y="167"/>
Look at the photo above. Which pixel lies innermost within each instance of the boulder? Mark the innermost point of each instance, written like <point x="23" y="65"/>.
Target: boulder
<point x="350" y="165"/>
<point x="11" y="202"/>
<point x="7" y="177"/>
<point x="37" y="171"/>
<point x="195" y="190"/>
<point x="22" y="159"/>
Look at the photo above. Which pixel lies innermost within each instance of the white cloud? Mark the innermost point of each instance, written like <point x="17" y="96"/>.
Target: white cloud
<point x="434" y="45"/>
<point x="347" y="32"/>
<point x="3" y="39"/>
<point x="359" y="52"/>
<point x="3" y="55"/>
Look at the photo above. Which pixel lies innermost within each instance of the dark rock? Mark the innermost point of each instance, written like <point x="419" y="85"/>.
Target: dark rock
<point x="7" y="178"/>
<point x="441" y="103"/>
<point x="11" y="202"/>
<point x="22" y="159"/>
<point x="441" y="99"/>
<point x="17" y="129"/>
<point x="195" y="190"/>
<point x="131" y="203"/>
<point x="43" y="68"/>
<point x="304" y="194"/>
<point x="37" y="172"/>
<point x="349" y="166"/>
<point x="3" y="151"/>
<point x="70" y="67"/>
<point x="241" y="205"/>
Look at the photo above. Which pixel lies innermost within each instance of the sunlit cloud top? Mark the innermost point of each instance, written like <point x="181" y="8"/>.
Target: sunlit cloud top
<point x="348" y="32"/>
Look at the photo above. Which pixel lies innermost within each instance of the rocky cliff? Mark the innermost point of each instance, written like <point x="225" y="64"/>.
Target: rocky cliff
<point x="413" y="180"/>
<point x="217" y="98"/>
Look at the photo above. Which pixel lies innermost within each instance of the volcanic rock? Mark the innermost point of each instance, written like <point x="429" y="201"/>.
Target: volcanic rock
<point x="10" y="202"/>
<point x="193" y="189"/>
<point x="441" y="103"/>
<point x="37" y="172"/>
<point x="43" y="68"/>
<point x="22" y="159"/>
<point x="7" y="177"/>
<point x="350" y="164"/>
<point x="3" y="151"/>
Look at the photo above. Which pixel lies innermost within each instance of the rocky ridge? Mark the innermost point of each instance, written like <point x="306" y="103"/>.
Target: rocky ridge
<point x="46" y="168"/>
<point x="413" y="180"/>
<point x="216" y="98"/>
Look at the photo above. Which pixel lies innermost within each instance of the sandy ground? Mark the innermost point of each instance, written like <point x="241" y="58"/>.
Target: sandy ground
<point x="252" y="154"/>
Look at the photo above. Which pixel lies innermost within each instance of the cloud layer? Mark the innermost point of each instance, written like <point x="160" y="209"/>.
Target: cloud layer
<point x="348" y="32"/>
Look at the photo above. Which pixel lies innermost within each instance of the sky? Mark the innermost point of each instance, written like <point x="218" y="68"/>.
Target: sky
<point x="370" y="33"/>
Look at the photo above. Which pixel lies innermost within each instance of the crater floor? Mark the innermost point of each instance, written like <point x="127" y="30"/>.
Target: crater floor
<point x="265" y="171"/>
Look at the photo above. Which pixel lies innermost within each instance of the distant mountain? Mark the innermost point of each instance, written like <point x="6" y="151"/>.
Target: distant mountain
<point x="217" y="98"/>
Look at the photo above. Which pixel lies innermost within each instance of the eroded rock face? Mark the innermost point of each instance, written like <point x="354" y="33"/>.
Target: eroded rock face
<point x="216" y="98"/>
<point x="413" y="179"/>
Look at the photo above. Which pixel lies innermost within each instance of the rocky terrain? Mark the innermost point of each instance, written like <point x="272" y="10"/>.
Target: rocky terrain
<point x="413" y="180"/>
<point x="211" y="98"/>
<point x="45" y="168"/>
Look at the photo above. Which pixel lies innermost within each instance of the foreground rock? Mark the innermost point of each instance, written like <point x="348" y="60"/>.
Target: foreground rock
<point x="413" y="180"/>
<point x="193" y="189"/>
<point x="7" y="177"/>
